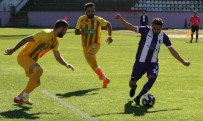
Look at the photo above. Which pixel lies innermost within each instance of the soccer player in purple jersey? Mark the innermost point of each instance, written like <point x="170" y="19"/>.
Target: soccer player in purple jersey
<point x="147" y="54"/>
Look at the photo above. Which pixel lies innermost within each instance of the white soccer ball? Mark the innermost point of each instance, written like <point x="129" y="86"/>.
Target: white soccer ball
<point x="148" y="100"/>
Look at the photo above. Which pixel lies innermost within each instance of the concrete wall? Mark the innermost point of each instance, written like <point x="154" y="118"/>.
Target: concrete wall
<point x="4" y="17"/>
<point x="171" y="20"/>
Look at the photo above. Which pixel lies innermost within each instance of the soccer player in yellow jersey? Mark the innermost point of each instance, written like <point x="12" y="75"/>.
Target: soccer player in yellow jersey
<point x="89" y="26"/>
<point x="36" y="46"/>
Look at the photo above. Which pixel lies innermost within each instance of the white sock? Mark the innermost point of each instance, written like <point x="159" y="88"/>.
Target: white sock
<point x="104" y="78"/>
<point x="18" y="98"/>
<point x="97" y="68"/>
<point x="25" y="94"/>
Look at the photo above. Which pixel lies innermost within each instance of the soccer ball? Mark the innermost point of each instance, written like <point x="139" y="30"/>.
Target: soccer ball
<point x="148" y="100"/>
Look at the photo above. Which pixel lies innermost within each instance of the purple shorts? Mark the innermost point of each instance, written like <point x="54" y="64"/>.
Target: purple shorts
<point x="139" y="69"/>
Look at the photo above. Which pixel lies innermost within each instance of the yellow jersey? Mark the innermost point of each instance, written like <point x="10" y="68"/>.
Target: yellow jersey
<point x="44" y="41"/>
<point x="91" y="28"/>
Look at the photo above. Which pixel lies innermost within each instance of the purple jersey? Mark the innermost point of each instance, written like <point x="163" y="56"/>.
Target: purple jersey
<point x="149" y="45"/>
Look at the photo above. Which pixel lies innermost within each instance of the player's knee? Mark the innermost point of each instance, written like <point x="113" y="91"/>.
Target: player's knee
<point x="151" y="76"/>
<point x="132" y="83"/>
<point x="38" y="70"/>
<point x="38" y="83"/>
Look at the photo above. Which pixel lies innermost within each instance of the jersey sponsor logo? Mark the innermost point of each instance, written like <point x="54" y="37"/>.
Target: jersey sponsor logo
<point x="43" y="48"/>
<point x="90" y="31"/>
<point x="95" y="23"/>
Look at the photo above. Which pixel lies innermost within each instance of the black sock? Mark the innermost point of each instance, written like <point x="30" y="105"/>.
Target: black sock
<point x="132" y="86"/>
<point x="191" y="37"/>
<point x="146" y="87"/>
<point x="196" y="37"/>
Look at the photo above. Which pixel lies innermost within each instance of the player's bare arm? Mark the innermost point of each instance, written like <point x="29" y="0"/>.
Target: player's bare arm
<point x="125" y="23"/>
<point x="61" y="60"/>
<point x="109" y="29"/>
<point x="10" y="51"/>
<point x="177" y="56"/>
<point x="77" y="32"/>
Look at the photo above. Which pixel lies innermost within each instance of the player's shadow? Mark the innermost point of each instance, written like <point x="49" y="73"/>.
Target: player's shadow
<point x="135" y="110"/>
<point x="141" y="110"/>
<point x="78" y="93"/>
<point x="13" y="35"/>
<point x="10" y="37"/>
<point x="21" y="113"/>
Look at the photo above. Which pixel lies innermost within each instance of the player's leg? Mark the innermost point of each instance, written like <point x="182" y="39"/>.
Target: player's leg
<point x="91" y="59"/>
<point x="192" y="33"/>
<point x="137" y="72"/>
<point x="197" y="33"/>
<point x="34" y="72"/>
<point x="152" y="73"/>
<point x="34" y="80"/>
<point x="90" y="56"/>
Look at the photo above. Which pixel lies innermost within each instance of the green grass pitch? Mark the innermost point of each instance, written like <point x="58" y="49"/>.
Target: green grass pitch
<point x="178" y="89"/>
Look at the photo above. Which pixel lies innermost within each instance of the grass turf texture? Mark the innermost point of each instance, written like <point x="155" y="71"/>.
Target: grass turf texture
<point x="178" y="89"/>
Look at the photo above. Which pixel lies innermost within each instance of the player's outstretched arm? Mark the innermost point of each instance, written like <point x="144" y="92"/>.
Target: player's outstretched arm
<point x="109" y="29"/>
<point x="78" y="32"/>
<point x="125" y="23"/>
<point x="10" y="51"/>
<point x="61" y="60"/>
<point x="177" y="56"/>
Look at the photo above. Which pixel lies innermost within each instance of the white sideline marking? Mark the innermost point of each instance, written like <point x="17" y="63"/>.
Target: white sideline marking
<point x="74" y="109"/>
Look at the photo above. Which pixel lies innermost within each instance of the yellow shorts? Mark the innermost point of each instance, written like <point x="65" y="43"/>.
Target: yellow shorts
<point x="25" y="62"/>
<point x="92" y="49"/>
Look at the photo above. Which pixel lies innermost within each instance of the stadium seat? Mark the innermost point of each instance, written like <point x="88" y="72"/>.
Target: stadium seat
<point x="183" y="2"/>
<point x="140" y="5"/>
<point x="164" y="6"/>
<point x="156" y="1"/>
<point x="148" y="2"/>
<point x="187" y="2"/>
<point x="160" y="6"/>
<point x="148" y="5"/>
<point x="167" y="2"/>
<point x="160" y="9"/>
<point x="144" y="5"/>
<point x="179" y="2"/>
<point x="156" y="5"/>
<point x="152" y="9"/>
<point x="176" y="9"/>
<point x="180" y="6"/>
<point x="192" y="6"/>
<point x="156" y="9"/>
<point x="136" y="5"/>
<point x="189" y="10"/>
<point x="172" y="9"/>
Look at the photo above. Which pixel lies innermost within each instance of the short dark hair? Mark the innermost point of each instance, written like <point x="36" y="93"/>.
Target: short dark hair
<point x="61" y="23"/>
<point x="157" y="21"/>
<point x="90" y="4"/>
